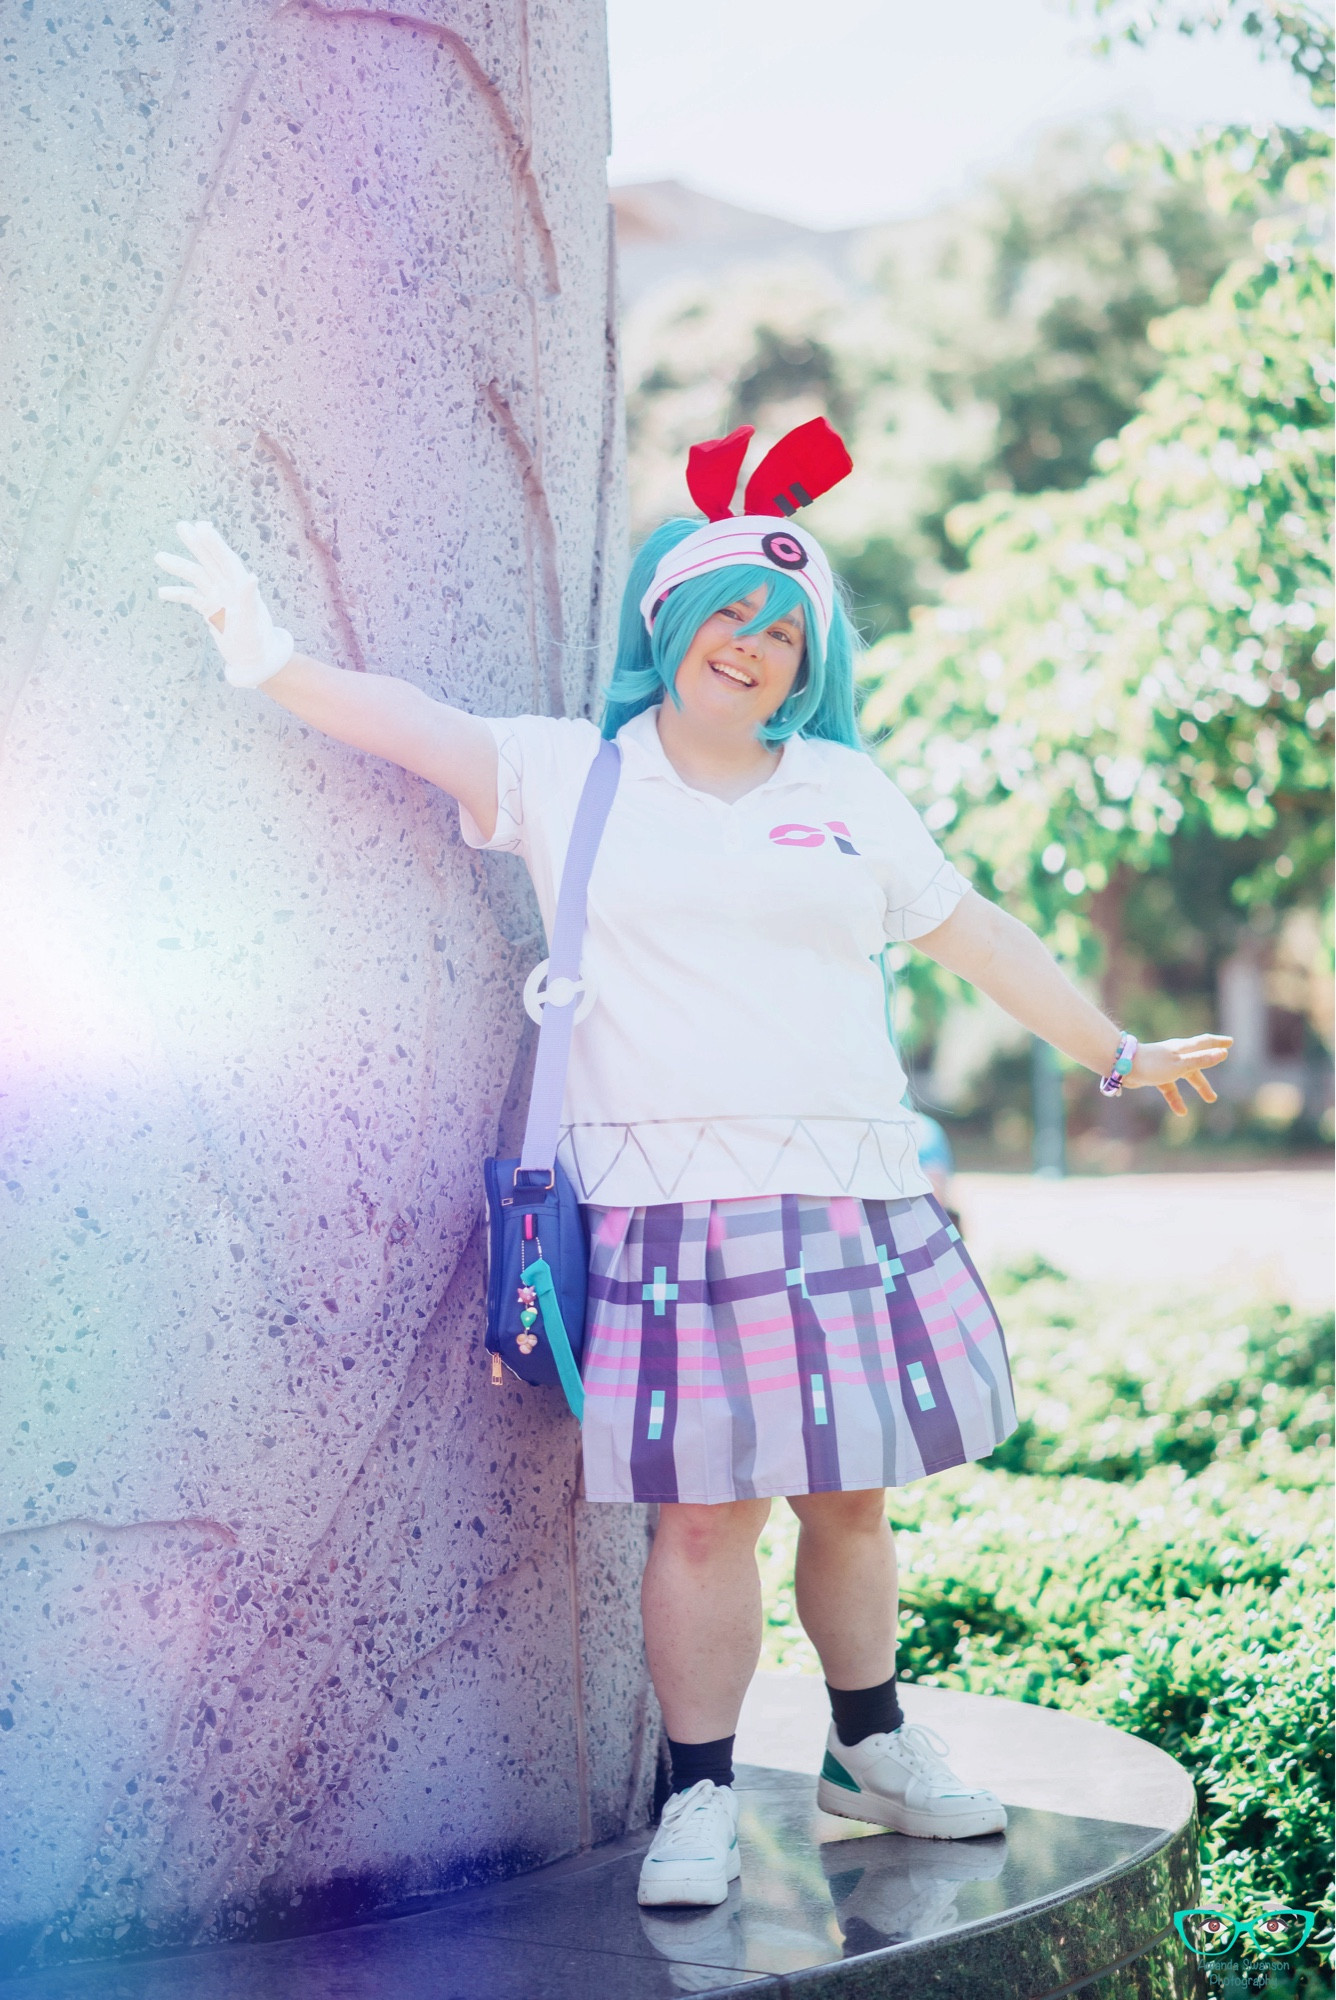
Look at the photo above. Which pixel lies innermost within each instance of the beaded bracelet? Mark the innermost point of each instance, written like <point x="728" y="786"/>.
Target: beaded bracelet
<point x="1111" y="1084"/>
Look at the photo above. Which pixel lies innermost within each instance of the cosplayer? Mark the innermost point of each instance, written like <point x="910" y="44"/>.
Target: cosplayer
<point x="778" y="1305"/>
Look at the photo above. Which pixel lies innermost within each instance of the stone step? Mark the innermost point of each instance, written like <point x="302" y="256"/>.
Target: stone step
<point x="1078" y="1894"/>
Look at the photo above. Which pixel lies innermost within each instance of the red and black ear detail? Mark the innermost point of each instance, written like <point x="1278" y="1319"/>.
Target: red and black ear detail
<point x="798" y="470"/>
<point x="712" y="472"/>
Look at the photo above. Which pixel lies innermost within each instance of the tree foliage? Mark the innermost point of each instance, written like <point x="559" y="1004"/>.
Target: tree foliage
<point x="1147" y="658"/>
<point x="988" y="347"/>
<point x="1294" y="31"/>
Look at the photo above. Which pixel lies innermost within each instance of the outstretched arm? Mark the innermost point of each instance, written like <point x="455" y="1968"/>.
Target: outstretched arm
<point x="1006" y="961"/>
<point x="374" y="712"/>
<point x="395" y="720"/>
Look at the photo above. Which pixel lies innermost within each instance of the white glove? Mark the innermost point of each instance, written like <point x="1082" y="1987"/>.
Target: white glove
<point x="218" y="585"/>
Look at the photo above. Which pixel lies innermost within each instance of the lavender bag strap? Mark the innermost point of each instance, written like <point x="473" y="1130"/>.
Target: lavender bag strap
<point x="554" y="1035"/>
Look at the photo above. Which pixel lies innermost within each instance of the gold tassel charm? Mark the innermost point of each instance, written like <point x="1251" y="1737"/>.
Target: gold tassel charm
<point x="496" y="1371"/>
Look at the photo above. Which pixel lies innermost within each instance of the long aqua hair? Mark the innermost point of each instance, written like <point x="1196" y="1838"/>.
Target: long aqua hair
<point x="822" y="701"/>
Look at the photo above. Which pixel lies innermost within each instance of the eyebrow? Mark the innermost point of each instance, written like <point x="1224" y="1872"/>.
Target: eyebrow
<point x="793" y="619"/>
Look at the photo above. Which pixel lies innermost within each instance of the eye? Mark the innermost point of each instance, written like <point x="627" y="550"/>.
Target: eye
<point x="781" y="632"/>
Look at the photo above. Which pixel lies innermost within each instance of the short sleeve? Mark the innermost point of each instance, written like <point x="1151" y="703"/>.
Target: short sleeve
<point x="541" y="764"/>
<point x="921" y="886"/>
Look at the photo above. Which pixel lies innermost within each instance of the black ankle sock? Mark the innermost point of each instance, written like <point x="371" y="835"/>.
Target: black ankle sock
<point x="694" y="1761"/>
<point x="860" y="1712"/>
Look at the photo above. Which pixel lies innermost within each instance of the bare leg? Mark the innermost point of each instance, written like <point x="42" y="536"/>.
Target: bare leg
<point x="701" y="1604"/>
<point x="845" y="1584"/>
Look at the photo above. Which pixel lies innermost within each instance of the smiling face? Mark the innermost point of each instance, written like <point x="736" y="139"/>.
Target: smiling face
<point x="738" y="679"/>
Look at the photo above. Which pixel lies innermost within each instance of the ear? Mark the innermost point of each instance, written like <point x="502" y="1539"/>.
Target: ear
<point x="798" y="470"/>
<point x="712" y="472"/>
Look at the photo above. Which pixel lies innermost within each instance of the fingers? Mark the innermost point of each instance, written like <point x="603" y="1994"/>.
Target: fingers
<point x="216" y="572"/>
<point x="1189" y="1058"/>
<point x="208" y="547"/>
<point x="1172" y="1097"/>
<point x="190" y="572"/>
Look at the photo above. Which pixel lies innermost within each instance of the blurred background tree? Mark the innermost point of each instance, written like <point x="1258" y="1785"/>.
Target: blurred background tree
<point x="989" y="346"/>
<point x="1090" y="408"/>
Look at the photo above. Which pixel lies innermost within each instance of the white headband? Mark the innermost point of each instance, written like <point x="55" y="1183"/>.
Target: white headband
<point x="755" y="540"/>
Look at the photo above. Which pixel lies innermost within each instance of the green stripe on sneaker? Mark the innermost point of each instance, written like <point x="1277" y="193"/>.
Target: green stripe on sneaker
<point x="834" y="1772"/>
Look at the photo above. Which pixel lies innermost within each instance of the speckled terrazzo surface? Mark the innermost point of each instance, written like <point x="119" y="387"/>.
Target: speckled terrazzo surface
<point x="295" y="1610"/>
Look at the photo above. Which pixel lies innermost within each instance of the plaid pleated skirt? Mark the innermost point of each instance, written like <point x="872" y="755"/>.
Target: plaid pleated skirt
<point x="785" y="1344"/>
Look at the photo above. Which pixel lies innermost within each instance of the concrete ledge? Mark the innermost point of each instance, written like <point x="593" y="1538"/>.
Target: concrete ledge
<point x="1076" y="1897"/>
<point x="1029" y="1756"/>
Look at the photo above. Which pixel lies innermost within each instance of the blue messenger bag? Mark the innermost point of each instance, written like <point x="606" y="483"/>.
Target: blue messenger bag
<point x="537" y="1241"/>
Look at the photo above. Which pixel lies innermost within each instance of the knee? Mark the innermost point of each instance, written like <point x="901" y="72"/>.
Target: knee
<point x="702" y="1536"/>
<point x="842" y="1514"/>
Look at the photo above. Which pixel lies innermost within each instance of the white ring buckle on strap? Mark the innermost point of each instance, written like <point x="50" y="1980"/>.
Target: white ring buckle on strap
<point x="561" y="992"/>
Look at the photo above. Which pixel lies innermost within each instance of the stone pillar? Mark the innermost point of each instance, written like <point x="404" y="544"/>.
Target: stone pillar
<point x="301" y="1617"/>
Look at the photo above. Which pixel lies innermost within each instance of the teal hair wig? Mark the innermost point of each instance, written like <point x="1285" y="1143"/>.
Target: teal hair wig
<point x="821" y="703"/>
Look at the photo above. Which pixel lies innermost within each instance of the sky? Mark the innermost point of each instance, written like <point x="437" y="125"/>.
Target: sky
<point x="838" y="112"/>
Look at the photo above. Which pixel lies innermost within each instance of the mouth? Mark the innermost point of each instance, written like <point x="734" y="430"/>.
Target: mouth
<point x="738" y="675"/>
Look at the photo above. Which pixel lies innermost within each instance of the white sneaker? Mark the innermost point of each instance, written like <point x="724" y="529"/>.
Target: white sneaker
<point x="694" y="1855"/>
<point x="702" y="1946"/>
<point x="900" y="1780"/>
<point x="886" y="1898"/>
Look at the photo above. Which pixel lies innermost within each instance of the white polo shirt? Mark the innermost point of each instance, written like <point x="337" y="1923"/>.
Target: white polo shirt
<point x="738" y="1042"/>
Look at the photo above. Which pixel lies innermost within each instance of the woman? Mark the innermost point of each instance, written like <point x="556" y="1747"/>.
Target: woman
<point x="778" y="1305"/>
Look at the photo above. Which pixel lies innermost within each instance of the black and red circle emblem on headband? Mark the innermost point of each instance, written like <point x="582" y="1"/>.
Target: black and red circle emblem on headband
<point x="784" y="551"/>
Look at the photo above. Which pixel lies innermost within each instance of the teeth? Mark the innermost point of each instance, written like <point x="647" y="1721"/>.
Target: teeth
<point x="733" y="673"/>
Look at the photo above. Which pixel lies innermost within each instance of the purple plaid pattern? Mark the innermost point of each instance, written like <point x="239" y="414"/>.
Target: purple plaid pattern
<point x="785" y="1344"/>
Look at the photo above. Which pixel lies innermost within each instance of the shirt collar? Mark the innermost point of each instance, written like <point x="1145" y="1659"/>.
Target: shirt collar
<point x="643" y="756"/>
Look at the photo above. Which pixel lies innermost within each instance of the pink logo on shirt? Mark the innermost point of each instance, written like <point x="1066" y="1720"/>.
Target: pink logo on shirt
<point x="794" y="834"/>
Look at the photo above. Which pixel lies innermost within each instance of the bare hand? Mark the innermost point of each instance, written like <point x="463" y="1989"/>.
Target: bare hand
<point x="1164" y="1065"/>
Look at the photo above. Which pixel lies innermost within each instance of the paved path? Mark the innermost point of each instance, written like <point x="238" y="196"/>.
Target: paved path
<point x="1269" y="1231"/>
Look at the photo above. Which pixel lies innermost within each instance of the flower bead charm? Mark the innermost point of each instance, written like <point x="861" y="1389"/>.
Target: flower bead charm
<point x="526" y="1342"/>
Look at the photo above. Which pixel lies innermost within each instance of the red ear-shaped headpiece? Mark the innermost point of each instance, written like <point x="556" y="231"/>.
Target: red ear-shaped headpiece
<point x="712" y="472"/>
<point x="798" y="470"/>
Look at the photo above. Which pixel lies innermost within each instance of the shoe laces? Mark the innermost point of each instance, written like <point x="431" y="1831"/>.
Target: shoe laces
<point x="684" y="1809"/>
<point x="925" y="1753"/>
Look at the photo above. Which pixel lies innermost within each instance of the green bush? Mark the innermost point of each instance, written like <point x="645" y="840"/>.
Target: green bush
<point x="1152" y="1549"/>
<point x="1191" y="1611"/>
<point x="1110" y="1386"/>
